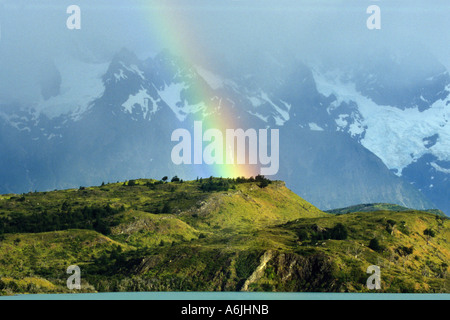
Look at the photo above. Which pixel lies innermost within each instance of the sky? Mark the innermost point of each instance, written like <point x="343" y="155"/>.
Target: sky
<point x="227" y="32"/>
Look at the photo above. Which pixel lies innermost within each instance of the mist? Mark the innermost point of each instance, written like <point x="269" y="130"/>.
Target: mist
<point x="232" y="35"/>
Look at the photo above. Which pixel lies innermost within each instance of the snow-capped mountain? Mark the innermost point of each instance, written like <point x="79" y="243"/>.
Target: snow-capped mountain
<point x="406" y="125"/>
<point x="345" y="136"/>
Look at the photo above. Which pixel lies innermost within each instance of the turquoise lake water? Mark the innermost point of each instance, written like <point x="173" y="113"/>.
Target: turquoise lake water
<point x="229" y="296"/>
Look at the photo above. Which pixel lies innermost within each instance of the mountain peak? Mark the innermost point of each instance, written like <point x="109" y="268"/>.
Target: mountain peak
<point x="125" y="56"/>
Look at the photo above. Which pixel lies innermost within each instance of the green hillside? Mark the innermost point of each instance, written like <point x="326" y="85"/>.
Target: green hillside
<point x="370" y="207"/>
<point x="212" y="235"/>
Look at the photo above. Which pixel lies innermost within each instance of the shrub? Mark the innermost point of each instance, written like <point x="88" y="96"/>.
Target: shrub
<point x="405" y="251"/>
<point x="429" y="232"/>
<point x="374" y="244"/>
<point x="263" y="181"/>
<point x="302" y="235"/>
<point x="339" y="232"/>
<point x="390" y="226"/>
<point x="215" y="185"/>
<point x="263" y="184"/>
<point x="402" y="227"/>
<point x="166" y="208"/>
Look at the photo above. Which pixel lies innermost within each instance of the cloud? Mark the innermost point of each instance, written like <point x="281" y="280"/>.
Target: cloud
<point x="34" y="32"/>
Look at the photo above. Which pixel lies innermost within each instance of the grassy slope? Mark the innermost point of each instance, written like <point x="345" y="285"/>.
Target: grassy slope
<point x="423" y="270"/>
<point x="36" y="262"/>
<point x="216" y="240"/>
<point x="370" y="207"/>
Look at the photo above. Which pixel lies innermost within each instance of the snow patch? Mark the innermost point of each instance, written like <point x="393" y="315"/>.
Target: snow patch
<point x="171" y="94"/>
<point x="81" y="84"/>
<point x="314" y="127"/>
<point x="263" y="118"/>
<point x="134" y="69"/>
<point x="439" y="168"/>
<point x="256" y="102"/>
<point x="341" y="122"/>
<point x="283" y="115"/>
<point x="394" y="135"/>
<point x="120" y="75"/>
<point x="211" y="79"/>
<point x="142" y="99"/>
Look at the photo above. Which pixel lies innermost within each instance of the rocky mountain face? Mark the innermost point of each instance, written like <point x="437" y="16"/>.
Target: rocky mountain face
<point x="375" y="132"/>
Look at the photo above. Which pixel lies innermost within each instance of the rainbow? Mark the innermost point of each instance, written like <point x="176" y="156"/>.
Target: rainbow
<point x="176" y="35"/>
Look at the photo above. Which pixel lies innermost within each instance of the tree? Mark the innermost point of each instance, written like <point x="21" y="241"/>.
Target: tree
<point x="339" y="232"/>
<point x="440" y="221"/>
<point x="302" y="235"/>
<point x="429" y="233"/>
<point x="164" y="178"/>
<point x="65" y="206"/>
<point x="166" y="208"/>
<point x="405" y="251"/>
<point x="264" y="183"/>
<point x="175" y="179"/>
<point x="390" y="227"/>
<point x="374" y="244"/>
